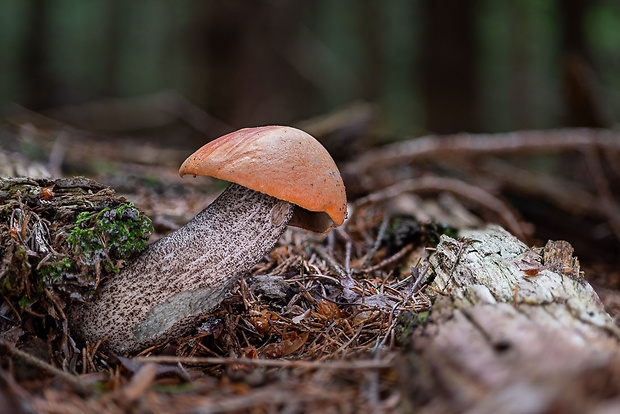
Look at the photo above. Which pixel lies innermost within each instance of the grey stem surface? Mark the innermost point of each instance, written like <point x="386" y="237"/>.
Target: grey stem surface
<point x="185" y="274"/>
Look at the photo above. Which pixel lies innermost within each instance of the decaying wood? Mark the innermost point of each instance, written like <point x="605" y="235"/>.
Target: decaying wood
<point x="515" y="330"/>
<point x="15" y="165"/>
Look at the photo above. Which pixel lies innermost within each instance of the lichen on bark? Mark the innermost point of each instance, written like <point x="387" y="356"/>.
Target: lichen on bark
<point x="513" y="329"/>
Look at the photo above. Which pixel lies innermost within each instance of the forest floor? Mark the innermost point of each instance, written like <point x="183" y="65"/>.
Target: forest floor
<point x="286" y="339"/>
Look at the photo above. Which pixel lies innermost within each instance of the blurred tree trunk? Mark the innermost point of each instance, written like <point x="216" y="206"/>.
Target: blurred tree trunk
<point x="583" y="106"/>
<point x="572" y="12"/>
<point x="372" y="38"/>
<point x="242" y="51"/>
<point x="39" y="82"/>
<point x="521" y="88"/>
<point x="234" y="47"/>
<point x="449" y="84"/>
<point x="112" y="47"/>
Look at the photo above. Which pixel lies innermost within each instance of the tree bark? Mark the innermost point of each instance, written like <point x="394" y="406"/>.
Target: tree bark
<point x="514" y="330"/>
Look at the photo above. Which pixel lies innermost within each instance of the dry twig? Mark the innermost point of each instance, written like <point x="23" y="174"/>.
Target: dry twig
<point x="522" y="142"/>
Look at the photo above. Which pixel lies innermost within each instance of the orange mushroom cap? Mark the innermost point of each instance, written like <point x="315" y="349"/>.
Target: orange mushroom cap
<point x="280" y="161"/>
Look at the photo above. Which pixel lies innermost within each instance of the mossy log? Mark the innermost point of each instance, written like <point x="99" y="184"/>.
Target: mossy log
<point x="513" y="330"/>
<point x="63" y="236"/>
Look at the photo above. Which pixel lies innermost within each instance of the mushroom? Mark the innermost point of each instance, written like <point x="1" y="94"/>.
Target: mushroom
<point x="279" y="175"/>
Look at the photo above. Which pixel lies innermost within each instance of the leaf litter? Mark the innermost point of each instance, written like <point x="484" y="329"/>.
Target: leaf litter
<point x="314" y="325"/>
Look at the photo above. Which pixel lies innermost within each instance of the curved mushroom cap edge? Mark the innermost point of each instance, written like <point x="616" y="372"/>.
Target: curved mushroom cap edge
<point x="283" y="162"/>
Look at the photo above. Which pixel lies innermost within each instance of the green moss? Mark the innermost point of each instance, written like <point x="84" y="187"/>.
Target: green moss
<point x="54" y="268"/>
<point x="24" y="301"/>
<point x="406" y="323"/>
<point x="448" y="231"/>
<point x="108" y="236"/>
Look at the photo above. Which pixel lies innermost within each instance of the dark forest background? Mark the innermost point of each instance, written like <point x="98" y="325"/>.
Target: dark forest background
<point x="439" y="66"/>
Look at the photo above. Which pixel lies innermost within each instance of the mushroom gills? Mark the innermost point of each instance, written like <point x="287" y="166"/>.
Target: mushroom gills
<point x="185" y="274"/>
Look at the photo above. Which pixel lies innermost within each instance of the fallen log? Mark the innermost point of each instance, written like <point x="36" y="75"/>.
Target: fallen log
<point x="513" y="330"/>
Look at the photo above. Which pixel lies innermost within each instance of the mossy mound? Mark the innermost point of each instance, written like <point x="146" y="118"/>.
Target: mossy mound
<point x="60" y="238"/>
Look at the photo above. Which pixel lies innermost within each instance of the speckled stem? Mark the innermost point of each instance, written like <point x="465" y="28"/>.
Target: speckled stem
<point x="185" y="274"/>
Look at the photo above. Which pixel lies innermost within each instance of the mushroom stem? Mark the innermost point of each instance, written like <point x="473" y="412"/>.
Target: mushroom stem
<point x="185" y="274"/>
